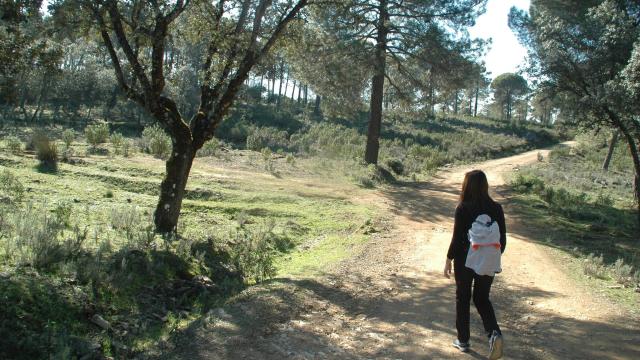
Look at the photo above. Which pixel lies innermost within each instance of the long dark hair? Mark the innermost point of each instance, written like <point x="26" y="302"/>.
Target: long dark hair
<point x="475" y="189"/>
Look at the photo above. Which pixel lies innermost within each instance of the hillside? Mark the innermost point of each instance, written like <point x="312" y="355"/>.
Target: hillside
<point x="78" y="235"/>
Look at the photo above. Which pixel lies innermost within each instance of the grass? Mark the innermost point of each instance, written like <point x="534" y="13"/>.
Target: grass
<point x="586" y="214"/>
<point x="109" y="194"/>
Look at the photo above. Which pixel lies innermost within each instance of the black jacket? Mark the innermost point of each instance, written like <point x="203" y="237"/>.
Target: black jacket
<point x="465" y="216"/>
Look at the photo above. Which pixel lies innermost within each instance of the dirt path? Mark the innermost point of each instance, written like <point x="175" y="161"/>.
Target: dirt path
<point x="392" y="302"/>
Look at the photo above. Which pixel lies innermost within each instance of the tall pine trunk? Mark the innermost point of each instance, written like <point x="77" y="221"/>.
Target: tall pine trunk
<point x="316" y="108"/>
<point x="377" y="87"/>
<point x="475" y="107"/>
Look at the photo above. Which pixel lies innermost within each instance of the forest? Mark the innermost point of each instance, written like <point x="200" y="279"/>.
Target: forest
<point x="169" y="167"/>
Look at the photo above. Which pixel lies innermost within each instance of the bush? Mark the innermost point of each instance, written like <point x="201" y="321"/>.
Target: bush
<point x="46" y="152"/>
<point x="528" y="183"/>
<point x="126" y="148"/>
<point x="396" y="166"/>
<point x="35" y="237"/>
<point x="371" y="175"/>
<point x="13" y="144"/>
<point x="117" y="140"/>
<point x="210" y="148"/>
<point x="97" y="133"/>
<point x="156" y="142"/>
<point x="68" y="136"/>
<point x="604" y="199"/>
<point x="594" y="266"/>
<point x="622" y="273"/>
<point x="291" y="160"/>
<point x="267" y="156"/>
<point x="253" y="252"/>
<point x="11" y="189"/>
<point x="272" y="138"/>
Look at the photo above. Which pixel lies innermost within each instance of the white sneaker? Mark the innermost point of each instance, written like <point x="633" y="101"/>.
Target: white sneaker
<point x="462" y="346"/>
<point x="495" y="346"/>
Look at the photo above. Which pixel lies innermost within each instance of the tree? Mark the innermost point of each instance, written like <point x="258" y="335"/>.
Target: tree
<point x="544" y="105"/>
<point x="508" y="88"/>
<point x="589" y="51"/>
<point x="395" y="31"/>
<point x="28" y="60"/>
<point x="236" y="36"/>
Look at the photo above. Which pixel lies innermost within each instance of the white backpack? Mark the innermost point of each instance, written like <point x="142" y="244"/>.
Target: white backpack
<point x="484" y="248"/>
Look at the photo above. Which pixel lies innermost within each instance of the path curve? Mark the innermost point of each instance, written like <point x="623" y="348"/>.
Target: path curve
<point x="392" y="302"/>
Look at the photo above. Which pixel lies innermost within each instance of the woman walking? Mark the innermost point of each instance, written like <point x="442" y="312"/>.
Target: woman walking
<point x="479" y="239"/>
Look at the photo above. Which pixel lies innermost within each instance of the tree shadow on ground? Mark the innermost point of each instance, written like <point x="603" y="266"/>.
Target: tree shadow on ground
<point x="422" y="201"/>
<point x="282" y="320"/>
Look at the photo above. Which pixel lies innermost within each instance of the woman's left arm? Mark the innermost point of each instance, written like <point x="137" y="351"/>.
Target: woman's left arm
<point x="503" y="229"/>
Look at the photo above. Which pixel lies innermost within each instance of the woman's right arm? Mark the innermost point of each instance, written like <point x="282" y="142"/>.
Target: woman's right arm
<point x="457" y="239"/>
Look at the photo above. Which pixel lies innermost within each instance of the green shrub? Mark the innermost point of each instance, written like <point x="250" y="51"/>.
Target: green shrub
<point x="371" y="175"/>
<point x="210" y="148"/>
<point x="594" y="266"/>
<point x="528" y="183"/>
<point x="11" y="189"/>
<point x="291" y="160"/>
<point x="156" y="142"/>
<point x="66" y="155"/>
<point x="267" y="157"/>
<point x="117" y="141"/>
<point x="13" y="144"/>
<point x="622" y="273"/>
<point x="396" y="166"/>
<point x="35" y="238"/>
<point x="126" y="148"/>
<point x="46" y="152"/>
<point x="97" y="133"/>
<point x="604" y="199"/>
<point x="273" y="138"/>
<point x="253" y="252"/>
<point x="68" y="136"/>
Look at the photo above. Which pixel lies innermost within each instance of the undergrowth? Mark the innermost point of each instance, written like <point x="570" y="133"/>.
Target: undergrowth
<point x="587" y="212"/>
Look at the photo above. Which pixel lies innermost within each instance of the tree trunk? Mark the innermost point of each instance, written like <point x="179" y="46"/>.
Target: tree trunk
<point x="293" y="93"/>
<point x="635" y="155"/>
<point x="612" y="146"/>
<point x="316" y="109"/>
<point x="475" y="108"/>
<point x="508" y="107"/>
<point x="262" y="86"/>
<point x="286" y="85"/>
<point x="633" y="149"/>
<point x="306" y="89"/>
<point x="299" y="93"/>
<point x="280" y="87"/>
<point x="455" y="102"/>
<point x="273" y="87"/>
<point x="377" y="87"/>
<point x="173" y="186"/>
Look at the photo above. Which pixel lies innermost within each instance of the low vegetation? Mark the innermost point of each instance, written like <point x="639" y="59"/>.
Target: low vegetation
<point x="79" y="236"/>
<point x="82" y="272"/>
<point x="584" y="210"/>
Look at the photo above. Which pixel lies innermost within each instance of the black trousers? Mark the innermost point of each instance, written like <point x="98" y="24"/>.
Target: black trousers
<point x="465" y="278"/>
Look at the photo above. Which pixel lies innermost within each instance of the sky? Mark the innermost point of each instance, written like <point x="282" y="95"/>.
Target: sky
<point x="506" y="53"/>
